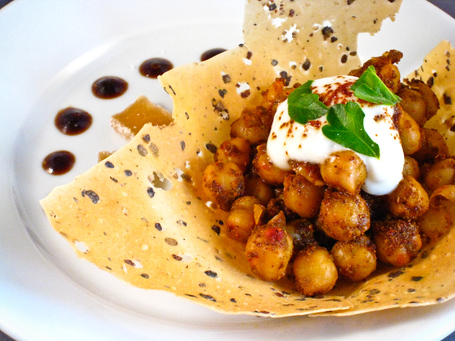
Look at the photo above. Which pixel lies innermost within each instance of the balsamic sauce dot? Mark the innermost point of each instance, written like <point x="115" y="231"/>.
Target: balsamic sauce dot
<point x="73" y="121"/>
<point x="109" y="87"/>
<point x="211" y="53"/>
<point x="59" y="162"/>
<point x="155" y="67"/>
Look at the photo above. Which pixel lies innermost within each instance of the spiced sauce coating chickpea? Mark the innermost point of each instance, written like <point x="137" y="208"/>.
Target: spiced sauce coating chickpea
<point x="409" y="200"/>
<point x="355" y="259"/>
<point x="255" y="186"/>
<point x="276" y="93"/>
<point x="314" y="271"/>
<point x="410" y="132"/>
<point x="441" y="173"/>
<point x="269" y="249"/>
<point x="429" y="95"/>
<point x="252" y="125"/>
<point x="411" y="167"/>
<point x="397" y="241"/>
<point x="344" y="170"/>
<point x="419" y="101"/>
<point x="414" y="104"/>
<point x="310" y="171"/>
<point x="436" y="222"/>
<point x="237" y="150"/>
<point x="223" y="183"/>
<point x="343" y="216"/>
<point x="240" y="221"/>
<point x="266" y="169"/>
<point x="390" y="75"/>
<point x="301" y="196"/>
<point x="433" y="146"/>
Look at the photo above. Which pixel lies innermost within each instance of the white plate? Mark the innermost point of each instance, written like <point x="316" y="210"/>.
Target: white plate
<point x="50" y="53"/>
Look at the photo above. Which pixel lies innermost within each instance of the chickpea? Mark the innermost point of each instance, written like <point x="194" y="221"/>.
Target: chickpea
<point x="251" y="127"/>
<point x="355" y="259"/>
<point x="435" y="222"/>
<point x="310" y="171"/>
<point x="223" y="183"/>
<point x="245" y="203"/>
<point x="344" y="170"/>
<point x="385" y="69"/>
<point x="409" y="200"/>
<point x="266" y="169"/>
<point x="414" y="104"/>
<point x="241" y="220"/>
<point x="390" y="75"/>
<point x="269" y="249"/>
<point x="236" y="150"/>
<point x="273" y="94"/>
<point x="430" y="97"/>
<point x="441" y="173"/>
<point x="410" y="132"/>
<point x="266" y="115"/>
<point x="343" y="216"/>
<point x="433" y="145"/>
<point x="239" y="225"/>
<point x="301" y="196"/>
<point x="255" y="186"/>
<point x="315" y="271"/>
<point x="432" y="102"/>
<point x="397" y="241"/>
<point x="411" y="167"/>
<point x="444" y="197"/>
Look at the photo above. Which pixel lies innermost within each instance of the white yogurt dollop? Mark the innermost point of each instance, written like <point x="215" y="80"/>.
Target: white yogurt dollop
<point x="289" y="140"/>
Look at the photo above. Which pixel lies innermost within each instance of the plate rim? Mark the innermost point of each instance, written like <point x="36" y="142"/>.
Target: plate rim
<point x="7" y="324"/>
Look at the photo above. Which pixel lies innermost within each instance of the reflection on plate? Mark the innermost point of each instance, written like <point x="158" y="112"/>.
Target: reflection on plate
<point x="48" y="285"/>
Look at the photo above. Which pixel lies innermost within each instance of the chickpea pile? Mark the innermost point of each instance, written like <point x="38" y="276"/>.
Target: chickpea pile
<point x="314" y="223"/>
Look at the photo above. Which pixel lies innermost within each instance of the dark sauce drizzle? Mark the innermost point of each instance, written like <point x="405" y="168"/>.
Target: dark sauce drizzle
<point x="155" y="67"/>
<point x="73" y="121"/>
<point x="59" y="162"/>
<point x="211" y="53"/>
<point x="109" y="87"/>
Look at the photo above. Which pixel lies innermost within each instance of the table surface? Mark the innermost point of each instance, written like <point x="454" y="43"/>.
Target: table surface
<point x="446" y="5"/>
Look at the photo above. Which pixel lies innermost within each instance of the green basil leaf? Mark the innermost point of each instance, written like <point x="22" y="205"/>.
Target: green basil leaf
<point x="304" y="106"/>
<point x="370" y="87"/>
<point x="347" y="129"/>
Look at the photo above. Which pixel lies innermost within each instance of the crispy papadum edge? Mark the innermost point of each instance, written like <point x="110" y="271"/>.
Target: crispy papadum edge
<point x="438" y="72"/>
